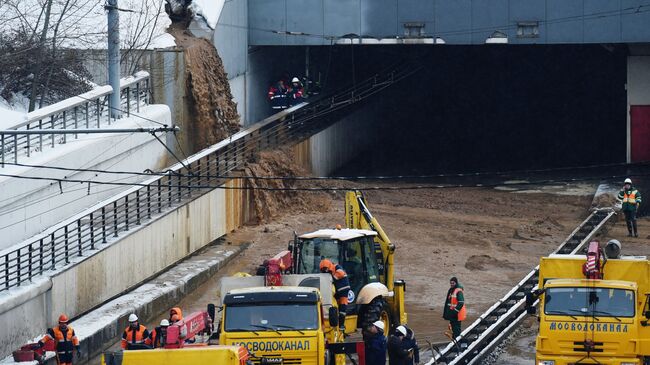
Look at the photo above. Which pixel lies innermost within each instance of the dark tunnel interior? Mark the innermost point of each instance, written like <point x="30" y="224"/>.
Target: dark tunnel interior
<point x="489" y="108"/>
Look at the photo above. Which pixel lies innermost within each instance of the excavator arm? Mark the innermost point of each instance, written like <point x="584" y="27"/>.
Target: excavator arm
<point x="358" y="216"/>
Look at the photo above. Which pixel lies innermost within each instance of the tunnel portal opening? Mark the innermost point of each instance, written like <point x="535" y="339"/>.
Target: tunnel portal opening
<point x="488" y="108"/>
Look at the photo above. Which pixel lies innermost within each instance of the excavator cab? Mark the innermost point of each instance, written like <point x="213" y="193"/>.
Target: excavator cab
<point x="353" y="249"/>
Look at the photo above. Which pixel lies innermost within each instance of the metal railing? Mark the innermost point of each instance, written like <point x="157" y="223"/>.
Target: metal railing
<point x="64" y="243"/>
<point x="88" y="110"/>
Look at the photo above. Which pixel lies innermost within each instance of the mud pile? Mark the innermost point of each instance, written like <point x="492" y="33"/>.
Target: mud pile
<point x="210" y="102"/>
<point x="269" y="204"/>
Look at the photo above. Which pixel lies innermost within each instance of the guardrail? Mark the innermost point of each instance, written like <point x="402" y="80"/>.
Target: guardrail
<point x="88" y="110"/>
<point x="80" y="235"/>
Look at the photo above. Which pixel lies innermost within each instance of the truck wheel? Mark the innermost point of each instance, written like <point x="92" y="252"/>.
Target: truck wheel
<point x="378" y="309"/>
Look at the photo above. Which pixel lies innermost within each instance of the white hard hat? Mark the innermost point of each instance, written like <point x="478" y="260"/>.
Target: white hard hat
<point x="379" y="324"/>
<point x="164" y="323"/>
<point x="628" y="181"/>
<point x="133" y="317"/>
<point x="295" y="79"/>
<point x="402" y="330"/>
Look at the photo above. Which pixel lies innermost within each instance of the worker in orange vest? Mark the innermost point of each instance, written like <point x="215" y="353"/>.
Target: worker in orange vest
<point x="66" y="341"/>
<point x="455" y="311"/>
<point x="631" y="200"/>
<point x="135" y="335"/>
<point x="343" y="292"/>
<point x="158" y="336"/>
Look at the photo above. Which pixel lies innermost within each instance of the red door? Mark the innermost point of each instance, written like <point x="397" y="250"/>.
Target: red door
<point x="640" y="132"/>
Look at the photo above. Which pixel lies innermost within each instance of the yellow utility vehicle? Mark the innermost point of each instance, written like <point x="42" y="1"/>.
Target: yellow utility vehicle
<point x="593" y="309"/>
<point x="291" y="323"/>
<point x="367" y="255"/>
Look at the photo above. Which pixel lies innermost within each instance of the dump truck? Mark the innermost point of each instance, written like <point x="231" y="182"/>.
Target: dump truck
<point x="367" y="255"/>
<point x="593" y="309"/>
<point x="290" y="322"/>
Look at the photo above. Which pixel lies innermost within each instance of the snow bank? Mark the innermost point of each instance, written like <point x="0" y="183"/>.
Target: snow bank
<point x="210" y="10"/>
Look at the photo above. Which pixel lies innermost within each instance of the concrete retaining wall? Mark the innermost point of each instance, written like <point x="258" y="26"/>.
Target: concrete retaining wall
<point x="29" y="206"/>
<point x="121" y="265"/>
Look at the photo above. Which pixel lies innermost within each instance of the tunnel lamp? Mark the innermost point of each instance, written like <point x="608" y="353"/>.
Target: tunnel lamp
<point x="497" y="38"/>
<point x="439" y="40"/>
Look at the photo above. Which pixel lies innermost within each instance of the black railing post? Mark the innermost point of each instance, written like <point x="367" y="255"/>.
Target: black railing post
<point x="19" y="270"/>
<point x="103" y="224"/>
<point x="189" y="181"/>
<point x="169" y="189"/>
<point x="92" y="232"/>
<point x="160" y="195"/>
<point x="137" y="207"/>
<point x="148" y="201"/>
<point x="115" y="219"/>
<point x="180" y="190"/>
<point x="79" y="237"/>
<point x="126" y="211"/>
<point x="40" y="257"/>
<point x="53" y="251"/>
<point x="31" y="265"/>
<point x="67" y="244"/>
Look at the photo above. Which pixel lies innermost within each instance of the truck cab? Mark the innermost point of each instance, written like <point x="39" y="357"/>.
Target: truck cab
<point x="593" y="321"/>
<point x="277" y="324"/>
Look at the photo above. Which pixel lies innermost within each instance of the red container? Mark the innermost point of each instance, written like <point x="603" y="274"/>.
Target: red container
<point x="23" y="355"/>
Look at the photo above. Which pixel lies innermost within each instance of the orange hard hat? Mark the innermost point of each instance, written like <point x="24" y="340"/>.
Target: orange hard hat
<point x="63" y="318"/>
<point x="175" y="318"/>
<point x="325" y="264"/>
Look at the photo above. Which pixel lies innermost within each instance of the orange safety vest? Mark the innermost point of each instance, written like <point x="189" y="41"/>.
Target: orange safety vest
<point x="453" y="302"/>
<point x="134" y="337"/>
<point x="630" y="198"/>
<point x="65" y="343"/>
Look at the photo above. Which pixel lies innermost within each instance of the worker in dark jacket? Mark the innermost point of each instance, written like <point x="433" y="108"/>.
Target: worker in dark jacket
<point x="410" y="344"/>
<point x="397" y="353"/>
<point x="278" y="96"/>
<point x="66" y="341"/>
<point x="158" y="337"/>
<point x="296" y="92"/>
<point x="342" y="286"/>
<point x="631" y="199"/>
<point x="375" y="344"/>
<point x="455" y="311"/>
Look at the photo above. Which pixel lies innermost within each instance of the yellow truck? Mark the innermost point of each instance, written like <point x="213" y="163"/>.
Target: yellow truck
<point x="200" y="355"/>
<point x="290" y="324"/>
<point x="593" y="310"/>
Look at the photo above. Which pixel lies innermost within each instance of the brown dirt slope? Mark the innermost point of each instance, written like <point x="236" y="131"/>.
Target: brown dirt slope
<point x="270" y="204"/>
<point x="211" y="105"/>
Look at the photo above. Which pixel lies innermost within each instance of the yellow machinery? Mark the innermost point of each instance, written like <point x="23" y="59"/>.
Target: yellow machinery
<point x="367" y="255"/>
<point x="593" y="310"/>
<point x="201" y="355"/>
<point x="288" y="324"/>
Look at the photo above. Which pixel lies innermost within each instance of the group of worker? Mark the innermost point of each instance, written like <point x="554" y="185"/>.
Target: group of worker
<point x="283" y="94"/>
<point x="401" y="345"/>
<point x="137" y="336"/>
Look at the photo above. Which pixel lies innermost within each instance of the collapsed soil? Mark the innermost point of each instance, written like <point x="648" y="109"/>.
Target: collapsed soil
<point x="211" y="107"/>
<point x="275" y="201"/>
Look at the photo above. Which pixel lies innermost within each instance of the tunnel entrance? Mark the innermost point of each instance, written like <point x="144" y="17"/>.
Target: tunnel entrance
<point x="487" y="108"/>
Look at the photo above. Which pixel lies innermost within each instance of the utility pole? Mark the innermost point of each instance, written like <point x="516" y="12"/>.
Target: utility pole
<point x="114" y="57"/>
